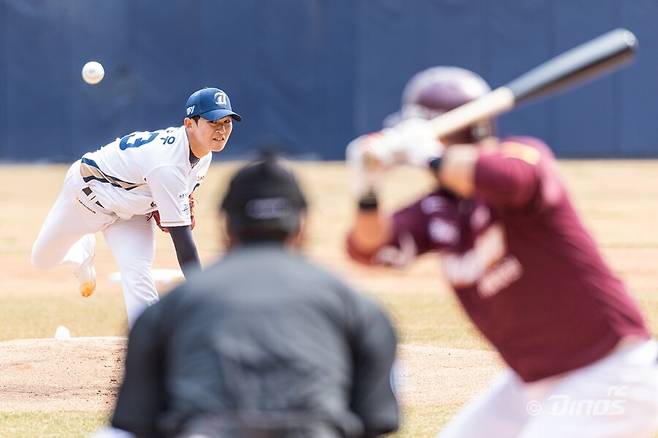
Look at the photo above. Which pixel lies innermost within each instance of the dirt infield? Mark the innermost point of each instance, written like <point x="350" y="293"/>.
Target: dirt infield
<point x="83" y="374"/>
<point x="80" y="374"/>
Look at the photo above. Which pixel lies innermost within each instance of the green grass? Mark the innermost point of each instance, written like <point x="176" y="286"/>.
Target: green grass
<point x="37" y="316"/>
<point x="425" y="421"/>
<point x="418" y="421"/>
<point x="50" y="424"/>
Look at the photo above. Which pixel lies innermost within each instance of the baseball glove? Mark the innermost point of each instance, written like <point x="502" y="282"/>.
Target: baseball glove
<point x="155" y="215"/>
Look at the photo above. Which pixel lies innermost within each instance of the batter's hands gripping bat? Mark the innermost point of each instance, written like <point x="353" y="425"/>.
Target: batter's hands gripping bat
<point x="586" y="61"/>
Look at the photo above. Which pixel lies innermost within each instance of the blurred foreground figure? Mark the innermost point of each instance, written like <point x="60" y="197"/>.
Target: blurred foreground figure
<point x="525" y="269"/>
<point x="263" y="343"/>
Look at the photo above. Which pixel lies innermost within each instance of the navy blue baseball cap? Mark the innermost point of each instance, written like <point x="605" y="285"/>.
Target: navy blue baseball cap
<point x="211" y="104"/>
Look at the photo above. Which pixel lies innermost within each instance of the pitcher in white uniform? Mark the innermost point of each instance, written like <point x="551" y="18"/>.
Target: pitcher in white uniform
<point x="118" y="188"/>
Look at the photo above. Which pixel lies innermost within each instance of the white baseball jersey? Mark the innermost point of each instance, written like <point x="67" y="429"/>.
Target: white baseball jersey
<point x="146" y="171"/>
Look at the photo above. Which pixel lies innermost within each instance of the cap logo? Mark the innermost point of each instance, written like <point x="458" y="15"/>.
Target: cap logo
<point x="220" y="98"/>
<point x="190" y="110"/>
<point x="268" y="208"/>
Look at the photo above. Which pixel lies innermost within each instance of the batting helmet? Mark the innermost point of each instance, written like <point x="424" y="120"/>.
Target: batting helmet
<point x="436" y="90"/>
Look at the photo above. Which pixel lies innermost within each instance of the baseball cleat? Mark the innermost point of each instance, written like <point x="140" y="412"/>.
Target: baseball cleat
<point x="86" y="273"/>
<point x="87" y="289"/>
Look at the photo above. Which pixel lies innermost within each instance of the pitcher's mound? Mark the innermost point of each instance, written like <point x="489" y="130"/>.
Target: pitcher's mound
<point x="80" y="374"/>
<point x="83" y="374"/>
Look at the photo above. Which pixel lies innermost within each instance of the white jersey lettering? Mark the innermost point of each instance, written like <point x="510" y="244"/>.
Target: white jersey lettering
<point x="141" y="170"/>
<point x="486" y="264"/>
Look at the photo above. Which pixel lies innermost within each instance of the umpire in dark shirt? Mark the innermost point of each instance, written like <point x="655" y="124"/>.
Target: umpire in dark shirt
<point x="263" y="343"/>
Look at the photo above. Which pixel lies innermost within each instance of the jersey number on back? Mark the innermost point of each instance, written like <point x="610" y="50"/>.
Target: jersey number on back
<point x="137" y="139"/>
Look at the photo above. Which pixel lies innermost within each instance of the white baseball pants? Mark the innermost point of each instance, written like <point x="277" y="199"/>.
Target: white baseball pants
<point x="64" y="239"/>
<point x="615" y="397"/>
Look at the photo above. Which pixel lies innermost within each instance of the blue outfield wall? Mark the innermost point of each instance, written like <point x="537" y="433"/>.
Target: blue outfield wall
<point x="306" y="74"/>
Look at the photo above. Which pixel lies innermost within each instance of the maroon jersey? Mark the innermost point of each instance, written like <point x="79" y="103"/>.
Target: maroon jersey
<point x="524" y="267"/>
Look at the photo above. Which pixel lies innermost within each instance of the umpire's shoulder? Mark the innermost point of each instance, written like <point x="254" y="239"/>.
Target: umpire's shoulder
<point x="325" y="275"/>
<point x="359" y="305"/>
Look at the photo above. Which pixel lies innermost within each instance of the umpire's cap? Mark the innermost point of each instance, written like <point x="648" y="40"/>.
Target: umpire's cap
<point x="264" y="196"/>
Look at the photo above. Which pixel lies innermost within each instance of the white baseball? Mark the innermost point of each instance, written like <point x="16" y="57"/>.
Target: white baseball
<point x="93" y="72"/>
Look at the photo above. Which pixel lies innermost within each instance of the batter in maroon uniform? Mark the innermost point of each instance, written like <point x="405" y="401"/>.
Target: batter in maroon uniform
<point x="527" y="272"/>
